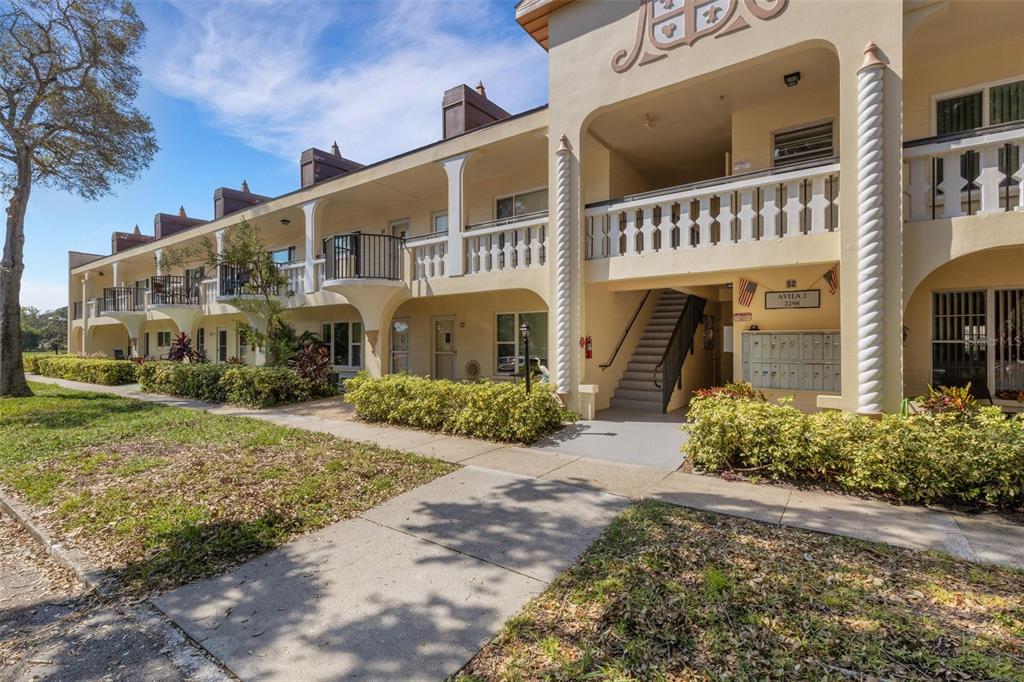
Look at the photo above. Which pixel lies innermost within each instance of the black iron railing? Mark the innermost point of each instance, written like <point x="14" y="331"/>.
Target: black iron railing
<point x="233" y="280"/>
<point x="671" y="365"/>
<point x="123" y="299"/>
<point x="363" y="256"/>
<point x="174" y="290"/>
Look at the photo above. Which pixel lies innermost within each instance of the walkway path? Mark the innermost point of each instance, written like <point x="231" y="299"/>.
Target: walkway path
<point x="976" y="537"/>
<point x="413" y="588"/>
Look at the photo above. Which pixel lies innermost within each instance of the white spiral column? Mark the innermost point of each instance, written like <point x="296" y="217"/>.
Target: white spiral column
<point x="870" y="234"/>
<point x="563" y="263"/>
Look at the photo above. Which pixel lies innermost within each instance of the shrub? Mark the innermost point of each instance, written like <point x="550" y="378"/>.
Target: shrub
<point x="313" y="362"/>
<point x="268" y="386"/>
<point x="974" y="457"/>
<point x="31" y="363"/>
<point x="89" y="370"/>
<point x="948" y="399"/>
<point x="181" y="349"/>
<point x="239" y="384"/>
<point x="498" y="411"/>
<point x="201" y="381"/>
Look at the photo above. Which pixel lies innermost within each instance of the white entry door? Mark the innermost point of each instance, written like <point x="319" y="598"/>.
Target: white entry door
<point x="444" y="348"/>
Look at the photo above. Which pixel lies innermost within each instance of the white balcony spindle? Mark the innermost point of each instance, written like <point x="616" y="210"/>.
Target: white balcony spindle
<point x="647" y="229"/>
<point x="792" y="209"/>
<point x="951" y="186"/>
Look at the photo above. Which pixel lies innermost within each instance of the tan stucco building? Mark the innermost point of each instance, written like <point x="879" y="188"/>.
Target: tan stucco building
<point x="717" y="190"/>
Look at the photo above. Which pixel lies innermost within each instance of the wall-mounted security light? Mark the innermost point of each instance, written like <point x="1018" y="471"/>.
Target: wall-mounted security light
<point x="791" y="79"/>
<point x="285" y="221"/>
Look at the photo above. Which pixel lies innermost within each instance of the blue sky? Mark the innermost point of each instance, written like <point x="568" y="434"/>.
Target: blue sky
<point x="238" y="88"/>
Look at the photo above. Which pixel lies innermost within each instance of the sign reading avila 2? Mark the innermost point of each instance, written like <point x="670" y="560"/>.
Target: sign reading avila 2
<point x="808" y="298"/>
<point x="668" y="24"/>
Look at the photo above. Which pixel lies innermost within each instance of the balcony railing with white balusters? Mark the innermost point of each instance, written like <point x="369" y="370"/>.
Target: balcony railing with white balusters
<point x="295" y="276"/>
<point x="429" y="255"/>
<point x="783" y="203"/>
<point x="507" y="244"/>
<point x="983" y="168"/>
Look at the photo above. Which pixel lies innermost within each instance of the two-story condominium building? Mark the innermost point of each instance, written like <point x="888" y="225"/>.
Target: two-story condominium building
<point x="823" y="198"/>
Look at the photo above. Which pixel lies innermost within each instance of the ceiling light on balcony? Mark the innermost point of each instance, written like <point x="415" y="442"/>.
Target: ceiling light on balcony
<point x="791" y="79"/>
<point x="285" y="221"/>
<point x="649" y="121"/>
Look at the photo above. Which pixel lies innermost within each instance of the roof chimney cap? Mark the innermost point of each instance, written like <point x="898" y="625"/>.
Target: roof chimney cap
<point x="480" y="89"/>
<point x="181" y="212"/>
<point x="245" y="187"/>
<point x="335" y="150"/>
<point x="137" y="230"/>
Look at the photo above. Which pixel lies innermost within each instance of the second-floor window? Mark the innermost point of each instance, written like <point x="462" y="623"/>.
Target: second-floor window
<point x="282" y="256"/>
<point x="521" y="204"/>
<point x="988" y="105"/>
<point x="439" y="222"/>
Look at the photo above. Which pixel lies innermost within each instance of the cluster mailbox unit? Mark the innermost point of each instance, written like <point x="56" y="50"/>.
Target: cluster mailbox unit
<point x="799" y="361"/>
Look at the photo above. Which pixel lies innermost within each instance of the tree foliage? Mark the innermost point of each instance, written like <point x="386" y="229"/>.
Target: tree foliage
<point x="68" y="84"/>
<point x="44" y="330"/>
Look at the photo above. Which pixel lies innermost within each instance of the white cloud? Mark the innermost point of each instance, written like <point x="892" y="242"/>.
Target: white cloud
<point x="257" y="69"/>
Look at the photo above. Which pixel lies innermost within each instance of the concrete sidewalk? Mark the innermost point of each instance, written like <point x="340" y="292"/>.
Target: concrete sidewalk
<point x="976" y="537"/>
<point x="410" y="590"/>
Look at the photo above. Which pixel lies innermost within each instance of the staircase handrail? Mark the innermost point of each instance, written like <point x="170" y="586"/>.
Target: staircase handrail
<point x="679" y="344"/>
<point x="622" y="339"/>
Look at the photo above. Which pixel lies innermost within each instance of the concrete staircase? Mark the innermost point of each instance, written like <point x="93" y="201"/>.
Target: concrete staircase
<point x="636" y="389"/>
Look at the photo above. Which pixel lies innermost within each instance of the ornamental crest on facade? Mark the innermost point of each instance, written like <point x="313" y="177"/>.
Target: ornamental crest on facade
<point x="664" y="25"/>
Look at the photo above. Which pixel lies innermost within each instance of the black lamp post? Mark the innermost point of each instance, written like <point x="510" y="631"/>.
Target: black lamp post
<point x="524" y="332"/>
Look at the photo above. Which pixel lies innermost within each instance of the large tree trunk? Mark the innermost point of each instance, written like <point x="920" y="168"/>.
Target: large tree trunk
<point x="12" y="368"/>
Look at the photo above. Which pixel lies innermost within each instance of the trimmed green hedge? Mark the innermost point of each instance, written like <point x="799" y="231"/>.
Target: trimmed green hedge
<point x="975" y="456"/>
<point x="238" y="384"/>
<point x="199" y="381"/>
<point x="500" y="411"/>
<point x="89" y="370"/>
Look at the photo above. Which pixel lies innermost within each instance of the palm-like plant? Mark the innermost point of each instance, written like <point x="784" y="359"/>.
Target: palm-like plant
<point x="181" y="349"/>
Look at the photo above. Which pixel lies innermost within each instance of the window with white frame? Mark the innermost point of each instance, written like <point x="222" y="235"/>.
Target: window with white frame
<point x="510" y="351"/>
<point x="163" y="339"/>
<point x="201" y="340"/>
<point x="399" y="346"/>
<point x="345" y="341"/>
<point x="439" y="222"/>
<point x="222" y="345"/>
<point x="521" y="204"/>
<point x="283" y="256"/>
<point x="243" y="346"/>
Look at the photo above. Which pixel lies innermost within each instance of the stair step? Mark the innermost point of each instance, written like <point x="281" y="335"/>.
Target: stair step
<point x="645" y="384"/>
<point x="650" y="406"/>
<point x="652" y="394"/>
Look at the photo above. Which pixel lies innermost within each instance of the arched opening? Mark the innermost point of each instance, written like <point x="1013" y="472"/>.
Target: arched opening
<point x="965" y="323"/>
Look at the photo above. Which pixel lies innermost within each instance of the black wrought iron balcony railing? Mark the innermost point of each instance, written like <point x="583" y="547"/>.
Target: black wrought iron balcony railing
<point x="123" y="299"/>
<point x="174" y="290"/>
<point x="363" y="256"/>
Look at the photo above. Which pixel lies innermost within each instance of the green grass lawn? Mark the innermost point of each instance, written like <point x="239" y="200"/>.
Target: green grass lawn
<point x="672" y="594"/>
<point x="162" y="495"/>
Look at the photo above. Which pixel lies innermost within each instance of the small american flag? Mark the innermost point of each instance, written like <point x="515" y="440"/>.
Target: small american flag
<point x="832" y="279"/>
<point x="747" y="289"/>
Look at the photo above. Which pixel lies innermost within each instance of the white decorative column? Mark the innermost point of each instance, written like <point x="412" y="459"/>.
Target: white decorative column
<point x="85" y="312"/>
<point x="454" y="168"/>
<point x="309" y="212"/>
<point x="219" y="236"/>
<point x="115" y="273"/>
<point x="563" y="267"/>
<point x="159" y="257"/>
<point x="870" y="233"/>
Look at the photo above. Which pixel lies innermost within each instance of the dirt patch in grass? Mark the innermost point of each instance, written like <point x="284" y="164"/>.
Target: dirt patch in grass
<point x="163" y="495"/>
<point x="674" y="594"/>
